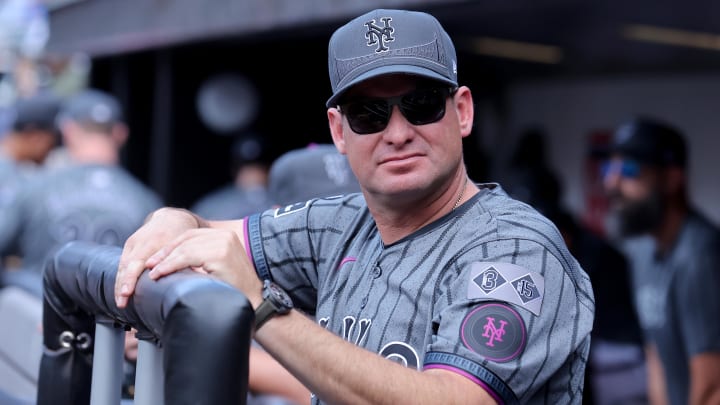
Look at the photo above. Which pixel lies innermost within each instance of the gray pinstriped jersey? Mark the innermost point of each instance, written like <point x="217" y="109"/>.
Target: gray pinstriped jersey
<point x="488" y="291"/>
<point x="104" y="204"/>
<point x="676" y="298"/>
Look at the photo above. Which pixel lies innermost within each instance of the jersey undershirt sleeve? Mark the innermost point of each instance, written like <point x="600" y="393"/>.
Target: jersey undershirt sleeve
<point x="698" y="302"/>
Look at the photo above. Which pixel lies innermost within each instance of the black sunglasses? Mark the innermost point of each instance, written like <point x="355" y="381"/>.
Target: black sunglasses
<point x="421" y="106"/>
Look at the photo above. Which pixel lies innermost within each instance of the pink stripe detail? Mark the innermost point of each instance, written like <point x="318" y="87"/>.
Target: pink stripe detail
<point x="248" y="251"/>
<point x="474" y="379"/>
<point x="347" y="260"/>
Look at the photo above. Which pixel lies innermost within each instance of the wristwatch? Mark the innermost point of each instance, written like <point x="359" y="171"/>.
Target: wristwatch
<point x="275" y="302"/>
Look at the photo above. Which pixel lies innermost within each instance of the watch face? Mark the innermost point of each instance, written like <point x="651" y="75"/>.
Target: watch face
<point x="280" y="296"/>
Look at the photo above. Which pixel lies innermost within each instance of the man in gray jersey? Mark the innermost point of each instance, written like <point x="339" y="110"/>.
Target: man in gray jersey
<point x="32" y="134"/>
<point x="676" y="272"/>
<point x="425" y="287"/>
<point x="23" y="149"/>
<point x="91" y="199"/>
<point x="247" y="194"/>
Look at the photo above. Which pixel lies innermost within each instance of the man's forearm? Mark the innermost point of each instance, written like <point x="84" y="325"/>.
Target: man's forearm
<point x="656" y="379"/>
<point x="340" y="372"/>
<point x="705" y="379"/>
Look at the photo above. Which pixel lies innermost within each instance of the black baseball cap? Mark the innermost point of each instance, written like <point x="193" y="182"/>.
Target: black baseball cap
<point x="650" y="141"/>
<point x="37" y="112"/>
<point x="92" y="106"/>
<point x="250" y="148"/>
<point x="311" y="172"/>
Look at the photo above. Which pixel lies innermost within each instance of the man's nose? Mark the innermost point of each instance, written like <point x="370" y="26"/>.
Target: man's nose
<point x="399" y="130"/>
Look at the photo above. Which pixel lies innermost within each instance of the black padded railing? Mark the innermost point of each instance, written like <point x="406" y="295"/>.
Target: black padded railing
<point x="202" y="325"/>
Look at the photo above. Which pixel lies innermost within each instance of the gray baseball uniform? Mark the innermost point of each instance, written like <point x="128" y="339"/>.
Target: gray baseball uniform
<point x="13" y="175"/>
<point x="489" y="291"/>
<point x="677" y="301"/>
<point x="10" y="181"/>
<point x="104" y="204"/>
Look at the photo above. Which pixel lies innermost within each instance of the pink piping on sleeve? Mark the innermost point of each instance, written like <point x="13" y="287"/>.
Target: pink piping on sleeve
<point x="247" y="241"/>
<point x="476" y="380"/>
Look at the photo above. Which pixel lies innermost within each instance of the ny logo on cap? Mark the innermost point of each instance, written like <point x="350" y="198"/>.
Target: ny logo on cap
<point x="377" y="35"/>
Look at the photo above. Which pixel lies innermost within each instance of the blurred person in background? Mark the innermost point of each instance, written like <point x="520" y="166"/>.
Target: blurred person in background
<point x="92" y="199"/>
<point x="247" y="194"/>
<point x="315" y="171"/>
<point x="29" y="136"/>
<point x="23" y="148"/>
<point x="615" y="372"/>
<point x="675" y="259"/>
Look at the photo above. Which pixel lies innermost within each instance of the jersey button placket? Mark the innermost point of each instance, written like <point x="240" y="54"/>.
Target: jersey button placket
<point x="376" y="273"/>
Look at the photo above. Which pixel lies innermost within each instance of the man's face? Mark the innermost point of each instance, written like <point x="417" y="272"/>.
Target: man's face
<point x="635" y="195"/>
<point x="40" y="143"/>
<point x="403" y="161"/>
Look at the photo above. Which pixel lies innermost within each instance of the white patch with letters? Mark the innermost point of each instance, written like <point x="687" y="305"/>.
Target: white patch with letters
<point x="289" y="209"/>
<point x="507" y="282"/>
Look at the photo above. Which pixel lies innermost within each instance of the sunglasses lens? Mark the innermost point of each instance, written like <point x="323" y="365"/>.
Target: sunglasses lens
<point x="424" y="106"/>
<point x="367" y="117"/>
<point x="420" y="107"/>
<point x="629" y="169"/>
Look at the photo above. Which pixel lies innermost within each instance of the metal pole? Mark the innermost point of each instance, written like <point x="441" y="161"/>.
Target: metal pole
<point x="149" y="376"/>
<point x="107" y="372"/>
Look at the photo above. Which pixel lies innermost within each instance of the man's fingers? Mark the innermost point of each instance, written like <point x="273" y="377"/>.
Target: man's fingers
<point x="179" y="258"/>
<point x="158" y="257"/>
<point x="126" y="279"/>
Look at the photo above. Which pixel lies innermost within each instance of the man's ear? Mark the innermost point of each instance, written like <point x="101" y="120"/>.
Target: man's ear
<point x="335" y="120"/>
<point x="465" y="109"/>
<point x="68" y="131"/>
<point x="119" y="134"/>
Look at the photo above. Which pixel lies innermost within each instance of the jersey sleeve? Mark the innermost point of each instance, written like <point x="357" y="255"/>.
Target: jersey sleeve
<point x="294" y="245"/>
<point x="9" y="225"/>
<point x="516" y="320"/>
<point x="12" y="218"/>
<point x="698" y="301"/>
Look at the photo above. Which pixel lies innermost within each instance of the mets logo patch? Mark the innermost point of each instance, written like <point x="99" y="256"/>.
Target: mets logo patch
<point x="495" y="331"/>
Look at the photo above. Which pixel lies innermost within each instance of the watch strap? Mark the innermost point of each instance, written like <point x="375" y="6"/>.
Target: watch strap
<point x="263" y="313"/>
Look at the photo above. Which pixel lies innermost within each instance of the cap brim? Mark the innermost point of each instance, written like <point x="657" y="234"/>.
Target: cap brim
<point x="386" y="70"/>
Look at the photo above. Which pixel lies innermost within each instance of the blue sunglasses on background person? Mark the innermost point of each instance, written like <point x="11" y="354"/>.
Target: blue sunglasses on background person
<point x="627" y="168"/>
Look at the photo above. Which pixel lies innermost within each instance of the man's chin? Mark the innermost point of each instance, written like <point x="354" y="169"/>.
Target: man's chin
<point x="636" y="224"/>
<point x="631" y="230"/>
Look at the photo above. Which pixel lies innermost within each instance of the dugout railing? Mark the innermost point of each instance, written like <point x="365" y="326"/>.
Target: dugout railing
<point x="194" y="332"/>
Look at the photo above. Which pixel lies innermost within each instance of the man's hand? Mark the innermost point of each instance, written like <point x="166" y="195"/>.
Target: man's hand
<point x="217" y="252"/>
<point x="131" y="346"/>
<point x="161" y="228"/>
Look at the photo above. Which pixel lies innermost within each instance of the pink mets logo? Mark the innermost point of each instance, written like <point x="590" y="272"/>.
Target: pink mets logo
<point x="379" y="35"/>
<point x="494" y="330"/>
